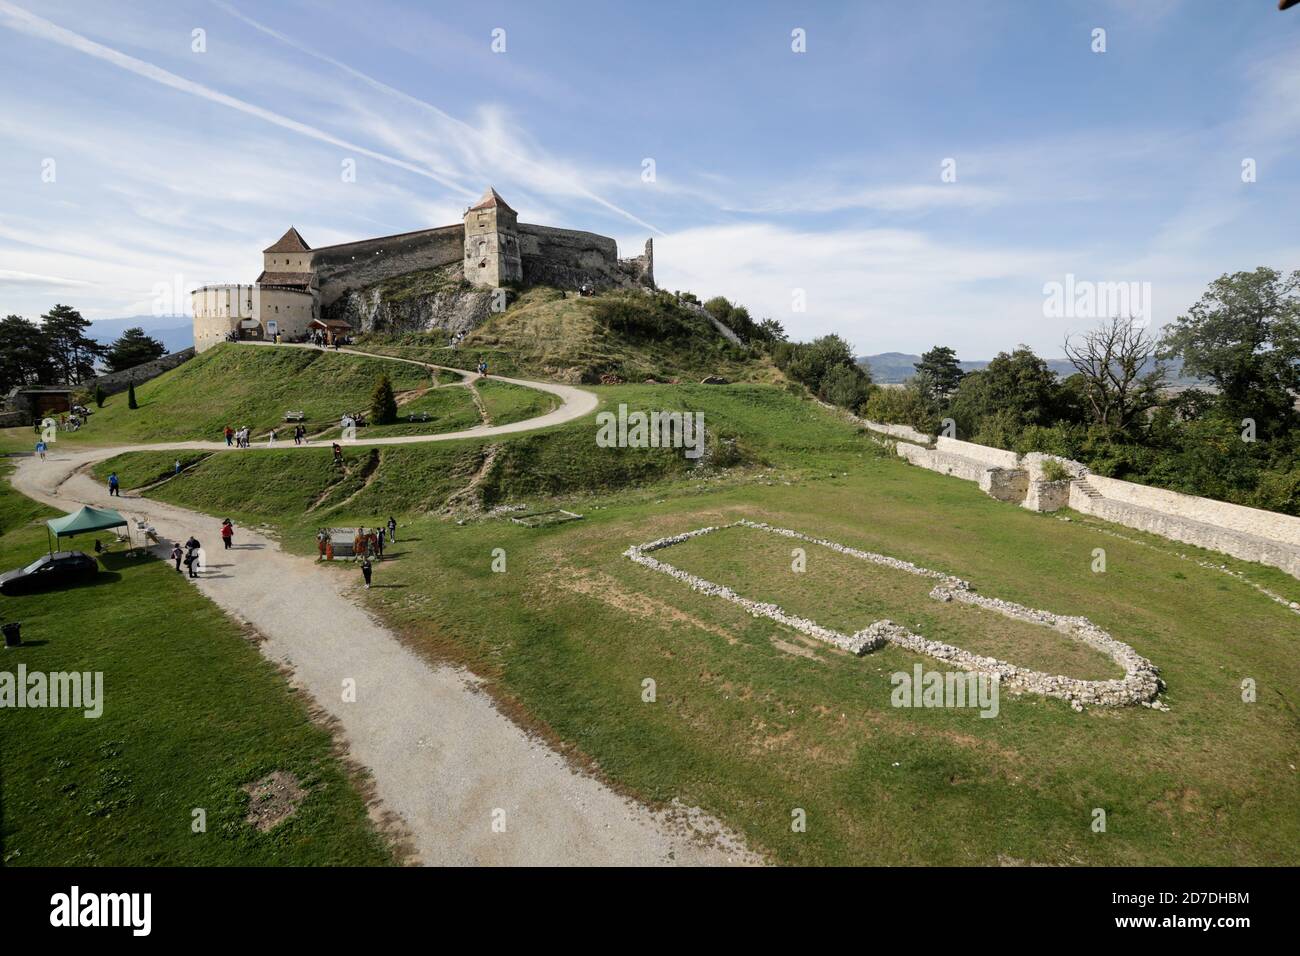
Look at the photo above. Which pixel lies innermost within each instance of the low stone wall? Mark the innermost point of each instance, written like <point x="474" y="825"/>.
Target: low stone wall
<point x="115" y="382"/>
<point x="1251" y="534"/>
<point x="1047" y="495"/>
<point x="1141" y="683"/>
<point x="905" y="432"/>
<point x="990" y="457"/>
<point x="1248" y="547"/>
<point x="1005" y="484"/>
<point x="947" y="464"/>
<point x="1282" y="528"/>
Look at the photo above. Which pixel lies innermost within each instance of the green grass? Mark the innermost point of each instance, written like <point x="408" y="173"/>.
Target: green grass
<point x="507" y="403"/>
<point x="449" y="409"/>
<point x="145" y="468"/>
<point x="751" y="721"/>
<point x="21" y="438"/>
<point x="239" y="385"/>
<point x="547" y="334"/>
<point x="192" y="712"/>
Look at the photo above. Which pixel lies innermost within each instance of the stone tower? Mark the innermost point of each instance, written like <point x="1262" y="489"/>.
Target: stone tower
<point x="492" y="243"/>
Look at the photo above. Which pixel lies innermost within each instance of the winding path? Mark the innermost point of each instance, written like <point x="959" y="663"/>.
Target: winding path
<point x="442" y="758"/>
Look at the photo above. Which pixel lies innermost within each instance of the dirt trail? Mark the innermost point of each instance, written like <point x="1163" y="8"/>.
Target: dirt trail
<point x="443" y="758"/>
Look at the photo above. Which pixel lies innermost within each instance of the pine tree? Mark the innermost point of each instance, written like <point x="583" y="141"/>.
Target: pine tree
<point x="383" y="405"/>
<point x="130" y="396"/>
<point x="99" y="396"/>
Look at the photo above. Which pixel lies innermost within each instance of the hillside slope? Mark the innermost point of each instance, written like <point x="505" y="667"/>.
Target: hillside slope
<point x="240" y="385"/>
<point x="631" y="337"/>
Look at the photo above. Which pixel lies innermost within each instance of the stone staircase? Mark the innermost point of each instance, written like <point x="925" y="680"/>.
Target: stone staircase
<point x="1082" y="484"/>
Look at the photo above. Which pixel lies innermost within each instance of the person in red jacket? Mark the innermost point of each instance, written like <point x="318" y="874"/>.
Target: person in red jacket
<point x="227" y="533"/>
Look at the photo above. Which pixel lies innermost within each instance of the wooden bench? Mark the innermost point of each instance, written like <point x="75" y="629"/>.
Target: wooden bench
<point x="295" y="417"/>
<point x="418" y="417"/>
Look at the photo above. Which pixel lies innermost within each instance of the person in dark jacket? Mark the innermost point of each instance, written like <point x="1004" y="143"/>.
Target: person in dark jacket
<point x="365" y="571"/>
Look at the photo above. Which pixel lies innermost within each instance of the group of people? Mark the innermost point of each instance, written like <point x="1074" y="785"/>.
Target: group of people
<point x="365" y="545"/>
<point x="321" y="340"/>
<point x="482" y="367"/>
<point x="190" y="555"/>
<point x="300" y="434"/>
<point x="240" y="438"/>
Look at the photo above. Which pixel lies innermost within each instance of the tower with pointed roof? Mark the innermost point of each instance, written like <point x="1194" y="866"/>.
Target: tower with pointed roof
<point x="492" y="243"/>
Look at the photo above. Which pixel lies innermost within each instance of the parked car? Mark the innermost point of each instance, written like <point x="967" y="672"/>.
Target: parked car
<point x="50" y="571"/>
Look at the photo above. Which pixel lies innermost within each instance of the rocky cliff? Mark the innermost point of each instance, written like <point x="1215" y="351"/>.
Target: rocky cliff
<point x="415" y="302"/>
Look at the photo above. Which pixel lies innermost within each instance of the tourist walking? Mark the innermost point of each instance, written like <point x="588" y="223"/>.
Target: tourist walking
<point x="227" y="533"/>
<point x="379" y="544"/>
<point x="365" y="571"/>
<point x="176" y="468"/>
<point x="113" y="489"/>
<point x="392" y="528"/>
<point x="177" y="556"/>
<point x="40" y="449"/>
<point x="230" y="436"/>
<point x="270" y="438"/>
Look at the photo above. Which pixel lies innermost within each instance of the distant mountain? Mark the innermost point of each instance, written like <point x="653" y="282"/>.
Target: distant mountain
<point x="176" y="332"/>
<point x="894" y="368"/>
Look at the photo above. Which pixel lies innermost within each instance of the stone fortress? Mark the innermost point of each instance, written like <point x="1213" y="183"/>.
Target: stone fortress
<point x="302" y="287"/>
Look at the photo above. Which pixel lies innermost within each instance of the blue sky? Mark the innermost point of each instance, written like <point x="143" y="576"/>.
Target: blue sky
<point x="775" y="171"/>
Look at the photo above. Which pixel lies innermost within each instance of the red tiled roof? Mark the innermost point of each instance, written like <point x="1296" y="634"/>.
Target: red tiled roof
<point x="491" y="200"/>
<point x="289" y="242"/>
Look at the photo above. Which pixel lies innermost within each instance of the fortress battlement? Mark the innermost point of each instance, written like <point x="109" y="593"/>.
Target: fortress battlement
<point x="493" y="249"/>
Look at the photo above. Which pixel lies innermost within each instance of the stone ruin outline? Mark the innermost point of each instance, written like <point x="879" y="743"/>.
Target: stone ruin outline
<point x="1140" y="685"/>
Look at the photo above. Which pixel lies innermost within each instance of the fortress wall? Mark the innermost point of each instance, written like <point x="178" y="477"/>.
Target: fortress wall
<point x="355" y="264"/>
<point x="114" y="382"/>
<point x="1248" y="547"/>
<point x="992" y="457"/>
<point x="946" y="463"/>
<point x="1281" y="528"/>
<point x="1247" y="533"/>
<point x="905" y="432"/>
<point x="568" y="258"/>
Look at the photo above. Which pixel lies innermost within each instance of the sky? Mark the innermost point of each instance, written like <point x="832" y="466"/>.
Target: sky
<point x="916" y="174"/>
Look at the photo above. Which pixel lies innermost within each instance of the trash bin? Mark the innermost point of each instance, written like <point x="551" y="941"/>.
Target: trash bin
<point x="13" y="635"/>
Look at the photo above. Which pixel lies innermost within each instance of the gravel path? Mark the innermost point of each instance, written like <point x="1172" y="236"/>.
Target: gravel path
<point x="442" y="757"/>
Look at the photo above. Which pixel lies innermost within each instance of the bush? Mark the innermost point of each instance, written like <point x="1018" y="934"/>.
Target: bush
<point x="902" y="406"/>
<point x="130" y="396"/>
<point x="641" y="317"/>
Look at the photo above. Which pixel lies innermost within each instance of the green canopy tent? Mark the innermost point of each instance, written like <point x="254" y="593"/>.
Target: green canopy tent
<point x="86" y="520"/>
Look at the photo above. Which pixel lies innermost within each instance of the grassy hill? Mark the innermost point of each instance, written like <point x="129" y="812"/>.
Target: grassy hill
<point x="751" y="719"/>
<point x="244" y="385"/>
<point x="550" y="334"/>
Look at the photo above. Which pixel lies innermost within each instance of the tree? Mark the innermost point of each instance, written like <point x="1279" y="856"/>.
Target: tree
<point x="938" y="373"/>
<point x="133" y="348"/>
<point x="383" y="405"/>
<point x="99" y="395"/>
<point x="995" y="405"/>
<point x="1111" y="359"/>
<point x="1244" y="336"/>
<point x="130" y="395"/>
<point x="72" y="352"/>
<point x="24" y="354"/>
<point x="772" y="330"/>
